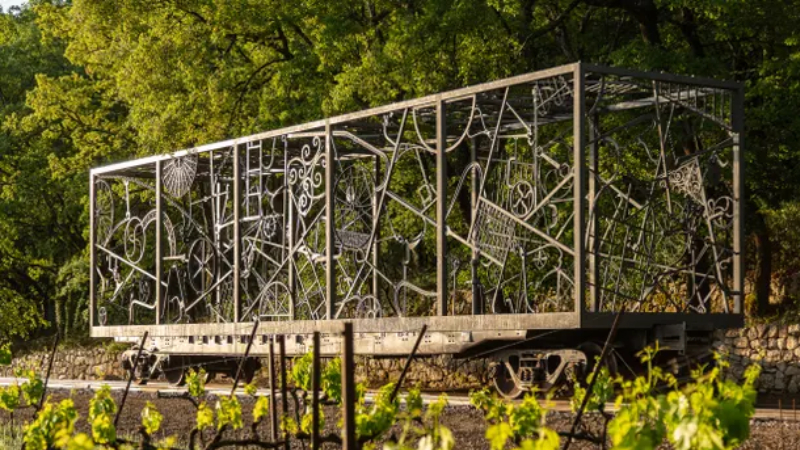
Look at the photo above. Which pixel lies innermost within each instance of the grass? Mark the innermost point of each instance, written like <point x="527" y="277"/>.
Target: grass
<point x="10" y="437"/>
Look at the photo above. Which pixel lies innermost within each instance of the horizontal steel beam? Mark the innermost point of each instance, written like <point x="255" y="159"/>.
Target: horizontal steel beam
<point x="497" y="322"/>
<point x="661" y="76"/>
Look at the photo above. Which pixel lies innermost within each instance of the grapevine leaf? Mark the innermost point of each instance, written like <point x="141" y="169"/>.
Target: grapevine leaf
<point x="9" y="398"/>
<point x="151" y="418"/>
<point x="196" y="383"/>
<point x="229" y="412"/>
<point x="103" y="431"/>
<point x="251" y="389"/>
<point x="80" y="441"/>
<point x="498" y="435"/>
<point x="205" y="416"/>
<point x="260" y="409"/>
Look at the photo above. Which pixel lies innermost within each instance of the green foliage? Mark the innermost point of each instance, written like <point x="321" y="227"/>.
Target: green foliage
<point x="710" y="413"/>
<point x="602" y="392"/>
<point x="103" y="430"/>
<point x="522" y="423"/>
<point x="9" y="398"/>
<point x="308" y="420"/>
<point x="196" y="383"/>
<point x="102" y="409"/>
<point x="151" y="418"/>
<point x="377" y="418"/>
<point x="36" y="236"/>
<point x="289" y="425"/>
<point x="87" y="82"/>
<point x="494" y="408"/>
<point x="301" y="371"/>
<point x="331" y="380"/>
<point x="414" y="403"/>
<point x="53" y="426"/>
<point x="260" y="409"/>
<point x="428" y="430"/>
<point x="5" y="355"/>
<point x="251" y="389"/>
<point x="547" y="440"/>
<point x="80" y="441"/>
<point x="229" y="412"/>
<point x="33" y="386"/>
<point x="205" y="416"/>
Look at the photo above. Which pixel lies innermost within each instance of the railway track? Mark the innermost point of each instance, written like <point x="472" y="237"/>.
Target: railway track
<point x="163" y="389"/>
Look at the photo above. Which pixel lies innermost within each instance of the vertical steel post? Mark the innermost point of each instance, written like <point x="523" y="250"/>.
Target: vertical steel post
<point x="330" y="223"/>
<point x="441" y="209"/>
<point x="284" y="386"/>
<point x="288" y="207"/>
<point x="159" y="237"/>
<point x="477" y="304"/>
<point x="315" y="387"/>
<point x="594" y="241"/>
<point x="376" y="221"/>
<point x="737" y="122"/>
<point x="348" y="390"/>
<point x="273" y="405"/>
<point x="92" y="249"/>
<point x="579" y="192"/>
<point x="237" y="232"/>
<point x="215" y="199"/>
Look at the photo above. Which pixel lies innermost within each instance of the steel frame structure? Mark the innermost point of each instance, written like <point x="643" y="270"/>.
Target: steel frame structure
<point x="541" y="201"/>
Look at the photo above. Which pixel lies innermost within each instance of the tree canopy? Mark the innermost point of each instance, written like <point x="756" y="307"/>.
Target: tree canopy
<point x="87" y="82"/>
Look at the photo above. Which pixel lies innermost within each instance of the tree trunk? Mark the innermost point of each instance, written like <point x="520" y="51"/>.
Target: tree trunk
<point x="764" y="267"/>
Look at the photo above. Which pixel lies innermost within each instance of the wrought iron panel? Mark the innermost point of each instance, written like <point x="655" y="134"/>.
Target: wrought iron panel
<point x="364" y="215"/>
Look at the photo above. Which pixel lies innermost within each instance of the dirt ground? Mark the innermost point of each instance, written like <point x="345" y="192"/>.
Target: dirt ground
<point x="466" y="423"/>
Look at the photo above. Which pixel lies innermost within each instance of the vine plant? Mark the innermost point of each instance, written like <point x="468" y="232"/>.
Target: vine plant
<point x="709" y="413"/>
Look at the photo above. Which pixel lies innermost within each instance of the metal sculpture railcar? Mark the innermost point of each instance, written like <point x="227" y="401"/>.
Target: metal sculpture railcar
<point x="493" y="213"/>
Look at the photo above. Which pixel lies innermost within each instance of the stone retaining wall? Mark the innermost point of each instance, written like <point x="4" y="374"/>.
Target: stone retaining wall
<point x="102" y="363"/>
<point x="775" y="347"/>
<point x="78" y="363"/>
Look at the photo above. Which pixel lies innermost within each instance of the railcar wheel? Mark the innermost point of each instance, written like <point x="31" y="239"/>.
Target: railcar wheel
<point x="504" y="381"/>
<point x="249" y="369"/>
<point x="592" y="350"/>
<point x="175" y="371"/>
<point x="142" y="374"/>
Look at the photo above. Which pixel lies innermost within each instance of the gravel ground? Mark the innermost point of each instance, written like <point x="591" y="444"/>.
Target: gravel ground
<point x="466" y="423"/>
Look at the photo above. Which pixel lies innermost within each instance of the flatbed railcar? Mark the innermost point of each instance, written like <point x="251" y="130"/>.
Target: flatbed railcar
<point x="531" y="207"/>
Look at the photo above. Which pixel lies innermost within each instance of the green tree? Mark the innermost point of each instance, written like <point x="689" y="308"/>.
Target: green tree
<point x="89" y="81"/>
<point x="42" y="221"/>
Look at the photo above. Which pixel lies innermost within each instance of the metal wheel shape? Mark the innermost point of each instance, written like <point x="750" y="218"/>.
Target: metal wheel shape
<point x="142" y="374"/>
<point x="201" y="265"/>
<point x="274" y="301"/>
<point x="355" y="190"/>
<point x="593" y="350"/>
<point x="504" y="381"/>
<point x="174" y="371"/>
